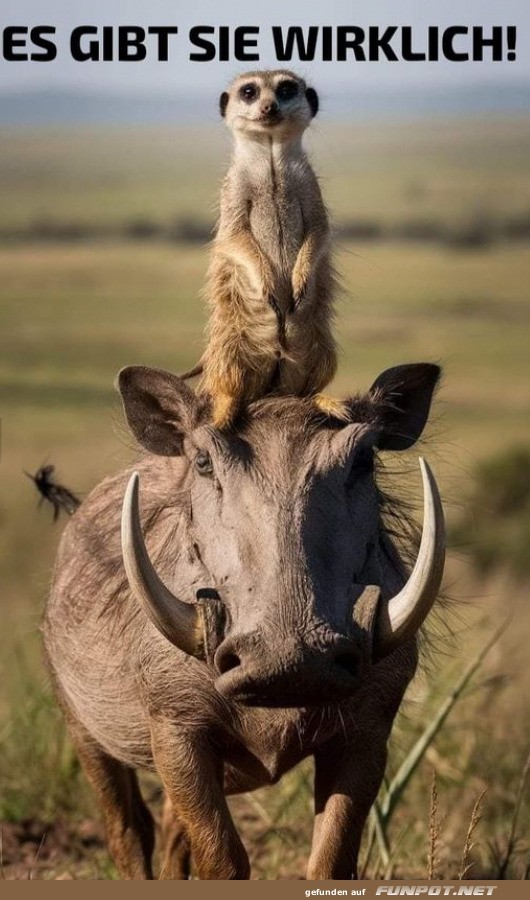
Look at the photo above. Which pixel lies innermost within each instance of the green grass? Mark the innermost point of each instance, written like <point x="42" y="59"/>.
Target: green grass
<point x="72" y="315"/>
<point x="424" y="169"/>
<point x="39" y="772"/>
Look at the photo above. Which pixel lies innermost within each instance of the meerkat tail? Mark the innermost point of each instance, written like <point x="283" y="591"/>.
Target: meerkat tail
<point x="193" y="373"/>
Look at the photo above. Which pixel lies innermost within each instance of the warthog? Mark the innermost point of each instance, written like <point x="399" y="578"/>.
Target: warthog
<point x="275" y="622"/>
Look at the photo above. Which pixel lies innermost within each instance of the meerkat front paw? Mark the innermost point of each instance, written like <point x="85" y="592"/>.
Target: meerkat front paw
<point x="268" y="283"/>
<point x="299" y="287"/>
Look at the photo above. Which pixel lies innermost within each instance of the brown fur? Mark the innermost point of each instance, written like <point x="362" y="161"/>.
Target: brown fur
<point x="270" y="282"/>
<point x="287" y="522"/>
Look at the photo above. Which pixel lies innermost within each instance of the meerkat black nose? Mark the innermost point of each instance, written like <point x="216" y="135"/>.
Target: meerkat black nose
<point x="270" y="106"/>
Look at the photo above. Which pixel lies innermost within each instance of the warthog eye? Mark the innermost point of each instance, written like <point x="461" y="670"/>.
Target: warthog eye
<point x="203" y="463"/>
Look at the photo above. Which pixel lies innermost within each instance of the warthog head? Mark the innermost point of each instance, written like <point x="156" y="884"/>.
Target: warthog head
<point x="301" y="588"/>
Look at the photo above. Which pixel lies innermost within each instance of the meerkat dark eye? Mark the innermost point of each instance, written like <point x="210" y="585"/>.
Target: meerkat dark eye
<point x="287" y="90"/>
<point x="203" y="463"/>
<point x="248" y="92"/>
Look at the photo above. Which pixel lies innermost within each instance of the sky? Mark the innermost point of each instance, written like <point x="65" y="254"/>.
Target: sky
<point x="179" y="73"/>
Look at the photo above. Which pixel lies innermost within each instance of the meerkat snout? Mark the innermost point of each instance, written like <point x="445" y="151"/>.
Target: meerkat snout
<point x="270" y="102"/>
<point x="270" y="107"/>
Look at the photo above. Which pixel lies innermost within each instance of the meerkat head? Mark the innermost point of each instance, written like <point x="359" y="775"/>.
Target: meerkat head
<point x="274" y="103"/>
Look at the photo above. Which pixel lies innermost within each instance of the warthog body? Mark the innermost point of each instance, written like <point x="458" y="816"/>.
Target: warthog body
<point x="268" y="650"/>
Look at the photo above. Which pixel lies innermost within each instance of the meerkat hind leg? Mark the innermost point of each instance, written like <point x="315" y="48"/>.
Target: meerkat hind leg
<point x="224" y="410"/>
<point x="332" y="406"/>
<point x="230" y="394"/>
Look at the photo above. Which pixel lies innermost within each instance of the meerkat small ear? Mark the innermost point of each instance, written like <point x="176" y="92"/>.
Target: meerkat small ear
<point x="223" y="102"/>
<point x="312" y="99"/>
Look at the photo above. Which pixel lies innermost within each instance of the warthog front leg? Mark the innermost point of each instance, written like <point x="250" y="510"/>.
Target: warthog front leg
<point x="176" y="846"/>
<point x="193" y="780"/>
<point x="129" y="825"/>
<point x="347" y="780"/>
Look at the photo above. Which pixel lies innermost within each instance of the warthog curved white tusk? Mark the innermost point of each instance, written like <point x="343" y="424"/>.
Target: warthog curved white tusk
<point x="401" y="618"/>
<point x="181" y="623"/>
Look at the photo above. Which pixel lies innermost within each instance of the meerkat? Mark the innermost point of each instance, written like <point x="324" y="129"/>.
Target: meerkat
<point x="270" y="282"/>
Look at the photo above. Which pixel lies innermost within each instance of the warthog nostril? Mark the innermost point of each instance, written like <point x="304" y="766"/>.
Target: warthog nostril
<point x="227" y="657"/>
<point x="227" y="662"/>
<point x="349" y="662"/>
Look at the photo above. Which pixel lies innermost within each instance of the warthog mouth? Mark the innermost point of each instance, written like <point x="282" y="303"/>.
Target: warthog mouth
<point x="279" y="695"/>
<point x="296" y="676"/>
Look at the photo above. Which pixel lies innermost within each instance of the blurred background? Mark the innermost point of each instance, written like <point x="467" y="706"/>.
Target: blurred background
<point x="109" y="175"/>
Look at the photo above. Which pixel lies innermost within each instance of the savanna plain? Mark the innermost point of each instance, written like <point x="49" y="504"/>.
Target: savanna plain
<point x="103" y="250"/>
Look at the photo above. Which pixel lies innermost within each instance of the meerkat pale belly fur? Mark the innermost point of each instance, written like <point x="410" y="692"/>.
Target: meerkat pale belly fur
<point x="270" y="282"/>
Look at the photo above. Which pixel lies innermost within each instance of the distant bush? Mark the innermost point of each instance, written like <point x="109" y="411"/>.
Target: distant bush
<point x="495" y="528"/>
<point x="360" y="230"/>
<point x="143" y="230"/>
<point x="190" y="231"/>
<point x="474" y="235"/>
<point x="478" y="233"/>
<point x="518" y="227"/>
<point x="421" y="230"/>
<point x="55" y="230"/>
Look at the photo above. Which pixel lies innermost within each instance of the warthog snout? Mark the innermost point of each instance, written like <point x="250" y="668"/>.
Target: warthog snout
<point x="261" y="671"/>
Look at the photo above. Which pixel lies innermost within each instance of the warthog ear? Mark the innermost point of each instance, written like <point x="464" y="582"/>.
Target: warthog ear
<point x="402" y="399"/>
<point x="160" y="408"/>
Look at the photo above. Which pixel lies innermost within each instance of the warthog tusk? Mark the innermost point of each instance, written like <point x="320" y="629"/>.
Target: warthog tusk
<point x="401" y="617"/>
<point x="181" y="623"/>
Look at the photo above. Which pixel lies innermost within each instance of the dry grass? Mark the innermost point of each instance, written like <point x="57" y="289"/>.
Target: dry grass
<point x="512" y="845"/>
<point x="434" y="833"/>
<point x="476" y="816"/>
